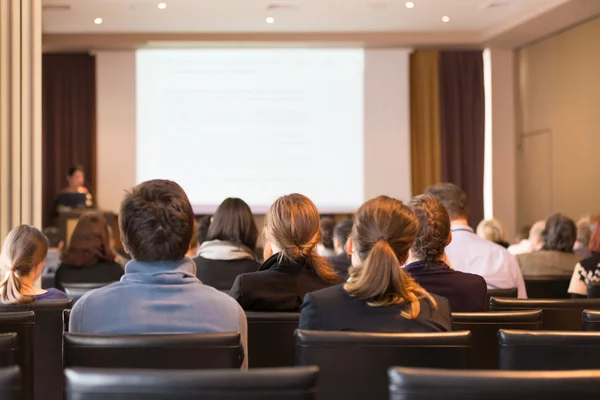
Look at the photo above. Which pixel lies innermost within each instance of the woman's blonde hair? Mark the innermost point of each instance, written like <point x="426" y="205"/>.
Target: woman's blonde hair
<point x="492" y="230"/>
<point x="384" y="230"/>
<point x="24" y="248"/>
<point x="292" y="224"/>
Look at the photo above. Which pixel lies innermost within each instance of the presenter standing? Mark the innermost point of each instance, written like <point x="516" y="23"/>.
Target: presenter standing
<point x="75" y="194"/>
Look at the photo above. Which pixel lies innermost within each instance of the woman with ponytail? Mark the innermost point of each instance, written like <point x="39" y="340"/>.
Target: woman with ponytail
<point x="294" y="268"/>
<point x="22" y="261"/>
<point x="379" y="295"/>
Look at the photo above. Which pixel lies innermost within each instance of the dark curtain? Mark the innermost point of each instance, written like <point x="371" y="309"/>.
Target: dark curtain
<point x="462" y="106"/>
<point x="68" y="122"/>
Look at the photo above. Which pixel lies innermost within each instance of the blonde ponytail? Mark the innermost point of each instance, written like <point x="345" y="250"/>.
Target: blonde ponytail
<point x="10" y="290"/>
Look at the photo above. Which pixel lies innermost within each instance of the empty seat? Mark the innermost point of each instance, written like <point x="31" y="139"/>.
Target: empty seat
<point x="76" y="290"/>
<point x="559" y="314"/>
<point x="258" y="384"/>
<point x="506" y="293"/>
<point x="271" y="341"/>
<point x="526" y="350"/>
<point x="591" y="320"/>
<point x="434" y="384"/>
<point x="353" y="365"/>
<point x="10" y="383"/>
<point x="547" y="287"/>
<point x="162" y="351"/>
<point x="18" y="330"/>
<point x="484" y="332"/>
<point x="8" y="349"/>
<point x="593" y="290"/>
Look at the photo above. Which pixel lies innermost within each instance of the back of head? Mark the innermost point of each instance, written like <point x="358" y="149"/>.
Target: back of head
<point x="584" y="231"/>
<point x="535" y="235"/>
<point x="492" y="230"/>
<point x="434" y="228"/>
<point x="452" y="197"/>
<point x="384" y="231"/>
<point x="24" y="249"/>
<point x="202" y="229"/>
<point x="156" y="221"/>
<point x="326" y="225"/>
<point x="559" y="234"/>
<point x="595" y="237"/>
<point x="292" y="225"/>
<point x="90" y="242"/>
<point x="342" y="231"/>
<point x="233" y="222"/>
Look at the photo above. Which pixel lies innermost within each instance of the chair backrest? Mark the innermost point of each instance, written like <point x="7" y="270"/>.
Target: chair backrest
<point x="506" y="293"/>
<point x="257" y="384"/>
<point x="10" y="383"/>
<point x="9" y="347"/>
<point x="593" y="290"/>
<point x="158" y="351"/>
<point x="21" y="323"/>
<point x="526" y="350"/>
<point x="559" y="315"/>
<point x="76" y="290"/>
<point x="547" y="287"/>
<point x="430" y="384"/>
<point x="353" y="365"/>
<point x="484" y="332"/>
<point x="271" y="341"/>
<point x="591" y="320"/>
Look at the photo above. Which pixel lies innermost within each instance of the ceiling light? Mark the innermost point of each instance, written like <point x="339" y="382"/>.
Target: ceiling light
<point x="410" y="4"/>
<point x="270" y="20"/>
<point x="445" y="18"/>
<point x="98" y="21"/>
<point x="162" y="6"/>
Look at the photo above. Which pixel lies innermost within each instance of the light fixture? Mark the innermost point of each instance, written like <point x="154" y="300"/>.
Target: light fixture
<point x="409" y="4"/>
<point x="98" y="21"/>
<point x="270" y="20"/>
<point x="445" y="18"/>
<point x="162" y="6"/>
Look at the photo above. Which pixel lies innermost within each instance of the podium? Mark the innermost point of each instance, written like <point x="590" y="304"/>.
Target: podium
<point x="67" y="220"/>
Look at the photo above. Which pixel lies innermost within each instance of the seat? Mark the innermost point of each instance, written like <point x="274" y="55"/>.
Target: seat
<point x="9" y="347"/>
<point x="505" y="293"/>
<point x="559" y="314"/>
<point x="158" y="351"/>
<point x="353" y="365"/>
<point x="47" y="348"/>
<point x="10" y="383"/>
<point x="271" y="340"/>
<point x="484" y="332"/>
<point x="434" y="384"/>
<point x="591" y="320"/>
<point x="257" y="384"/>
<point x="547" y="287"/>
<point x="526" y="350"/>
<point x="48" y="281"/>
<point x="593" y="290"/>
<point x="76" y="290"/>
<point x="17" y="331"/>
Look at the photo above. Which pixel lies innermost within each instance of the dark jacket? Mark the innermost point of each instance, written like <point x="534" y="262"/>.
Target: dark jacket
<point x="333" y="309"/>
<point x="278" y="286"/>
<point x="341" y="263"/>
<point x="465" y="292"/>
<point x="220" y="274"/>
<point x="104" y="272"/>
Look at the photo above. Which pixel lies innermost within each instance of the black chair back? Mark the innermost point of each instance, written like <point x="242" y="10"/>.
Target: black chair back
<point x="547" y="287"/>
<point x="526" y="350"/>
<point x="21" y="324"/>
<point x="593" y="290"/>
<point x="353" y="365"/>
<point x="156" y="351"/>
<point x="271" y="340"/>
<point x="47" y="348"/>
<point x="430" y="384"/>
<point x="76" y="290"/>
<point x="505" y="293"/>
<point x="257" y="384"/>
<point x="9" y="347"/>
<point x="484" y="332"/>
<point x="559" y="315"/>
<point x="10" y="383"/>
<point x="591" y="321"/>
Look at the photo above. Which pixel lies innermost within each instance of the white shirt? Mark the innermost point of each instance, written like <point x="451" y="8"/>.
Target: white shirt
<point x="470" y="253"/>
<point x="523" y="247"/>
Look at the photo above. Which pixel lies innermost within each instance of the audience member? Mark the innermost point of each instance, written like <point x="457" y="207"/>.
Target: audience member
<point x="159" y="293"/>
<point x="427" y="261"/>
<point x="325" y="246"/>
<point x="292" y="232"/>
<point x="379" y="295"/>
<point x="581" y="248"/>
<point x="194" y="246"/>
<point x="89" y="257"/>
<point x="494" y="231"/>
<point x="470" y="253"/>
<point x="556" y="258"/>
<point x="22" y="261"/>
<point x="341" y="261"/>
<point x="202" y="230"/>
<point x="229" y="248"/>
<point x="587" y="270"/>
<point x="121" y="257"/>
<point x="532" y="243"/>
<point x="55" y="247"/>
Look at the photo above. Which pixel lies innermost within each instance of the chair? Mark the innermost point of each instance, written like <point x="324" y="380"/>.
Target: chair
<point x="258" y="384"/>
<point x="593" y="290"/>
<point x="484" y="332"/>
<point x="547" y="287"/>
<point x="76" y="290"/>
<point x="559" y="314"/>
<point x="430" y="384"/>
<point x="591" y="320"/>
<point x="271" y="340"/>
<point x="9" y="346"/>
<point x="48" y="281"/>
<point x="47" y="348"/>
<point x="504" y="293"/>
<point x="156" y="351"/>
<point x="523" y="350"/>
<point x="353" y="365"/>
<point x="10" y="383"/>
<point x="17" y="330"/>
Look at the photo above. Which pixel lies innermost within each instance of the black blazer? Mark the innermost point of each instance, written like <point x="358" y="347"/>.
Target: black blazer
<point x="333" y="309"/>
<point x="341" y="263"/>
<point x="220" y="274"/>
<point x="278" y="286"/>
<point x="99" y="273"/>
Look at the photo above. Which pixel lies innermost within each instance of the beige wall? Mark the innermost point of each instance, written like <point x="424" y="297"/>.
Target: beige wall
<point x="558" y="119"/>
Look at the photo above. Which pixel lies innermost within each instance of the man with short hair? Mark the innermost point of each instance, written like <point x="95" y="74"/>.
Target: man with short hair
<point x="470" y="253"/>
<point x="159" y="292"/>
<point x="341" y="261"/>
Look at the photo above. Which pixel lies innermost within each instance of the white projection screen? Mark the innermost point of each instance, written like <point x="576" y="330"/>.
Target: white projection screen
<point x="254" y="124"/>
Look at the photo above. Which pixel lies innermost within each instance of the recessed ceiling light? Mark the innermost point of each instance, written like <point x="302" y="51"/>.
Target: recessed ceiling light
<point x="445" y="18"/>
<point x="270" y="20"/>
<point x="409" y="4"/>
<point x="162" y="6"/>
<point x="98" y="21"/>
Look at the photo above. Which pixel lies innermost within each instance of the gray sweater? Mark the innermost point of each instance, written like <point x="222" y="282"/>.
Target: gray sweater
<point x="160" y="297"/>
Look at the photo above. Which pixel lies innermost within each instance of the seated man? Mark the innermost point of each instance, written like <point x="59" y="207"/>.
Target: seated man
<point x="159" y="292"/>
<point x="427" y="260"/>
<point x="470" y="253"/>
<point x="341" y="261"/>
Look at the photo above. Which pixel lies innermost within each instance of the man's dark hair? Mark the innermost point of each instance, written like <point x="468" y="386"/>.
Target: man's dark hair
<point x="202" y="231"/>
<point x="560" y="233"/>
<point x="434" y="228"/>
<point x="74" y="169"/>
<point x="452" y="197"/>
<point x="342" y="231"/>
<point x="326" y="225"/>
<point x="156" y="221"/>
<point x="233" y="222"/>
